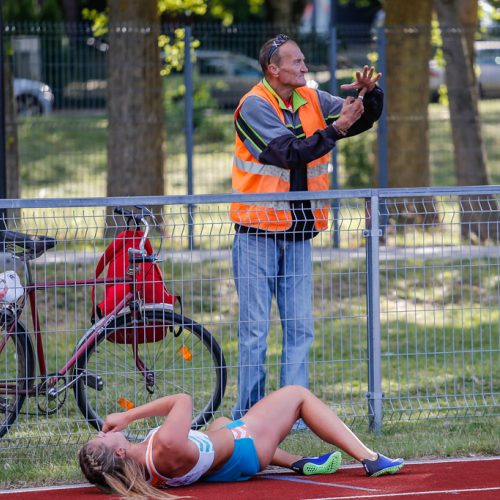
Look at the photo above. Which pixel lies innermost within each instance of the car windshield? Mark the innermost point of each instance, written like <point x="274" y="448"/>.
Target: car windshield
<point x="211" y="66"/>
<point x="489" y="56"/>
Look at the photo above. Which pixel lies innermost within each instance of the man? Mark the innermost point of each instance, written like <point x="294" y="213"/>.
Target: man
<point x="285" y="132"/>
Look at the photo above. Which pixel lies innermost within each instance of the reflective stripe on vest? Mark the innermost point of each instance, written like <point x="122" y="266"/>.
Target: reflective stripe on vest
<point x="253" y="167"/>
<point x="320" y="204"/>
<point x="264" y="169"/>
<point x="277" y="205"/>
<point x="252" y="176"/>
<point x="317" y="170"/>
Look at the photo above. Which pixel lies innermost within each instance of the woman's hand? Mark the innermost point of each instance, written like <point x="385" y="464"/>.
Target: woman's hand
<point x="365" y="81"/>
<point x="115" y="422"/>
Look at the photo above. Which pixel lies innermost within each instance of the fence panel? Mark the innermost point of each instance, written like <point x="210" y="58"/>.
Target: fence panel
<point x="439" y="310"/>
<point x="63" y="153"/>
<point x="438" y="297"/>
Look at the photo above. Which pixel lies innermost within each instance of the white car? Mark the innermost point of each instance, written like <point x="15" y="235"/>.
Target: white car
<point x="488" y="64"/>
<point x="32" y="97"/>
<point x="487" y="70"/>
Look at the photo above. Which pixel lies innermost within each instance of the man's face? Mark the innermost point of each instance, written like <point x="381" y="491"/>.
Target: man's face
<point x="292" y="66"/>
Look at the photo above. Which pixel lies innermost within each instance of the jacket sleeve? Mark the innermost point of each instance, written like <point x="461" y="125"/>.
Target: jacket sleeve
<point x="373" y="104"/>
<point x="290" y="152"/>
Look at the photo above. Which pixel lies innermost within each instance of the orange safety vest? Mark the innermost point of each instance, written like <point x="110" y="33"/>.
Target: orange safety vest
<point x="252" y="176"/>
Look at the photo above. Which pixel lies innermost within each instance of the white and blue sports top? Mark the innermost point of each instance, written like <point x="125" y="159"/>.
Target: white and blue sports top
<point x="205" y="460"/>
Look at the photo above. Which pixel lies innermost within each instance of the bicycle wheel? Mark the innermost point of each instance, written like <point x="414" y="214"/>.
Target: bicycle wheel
<point x="115" y="376"/>
<point x="16" y="373"/>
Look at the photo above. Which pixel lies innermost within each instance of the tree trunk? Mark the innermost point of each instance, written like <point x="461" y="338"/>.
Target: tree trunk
<point x="408" y="26"/>
<point x="468" y="18"/>
<point x="135" y="101"/>
<point x="71" y="10"/>
<point x="470" y="155"/>
<point x="285" y="12"/>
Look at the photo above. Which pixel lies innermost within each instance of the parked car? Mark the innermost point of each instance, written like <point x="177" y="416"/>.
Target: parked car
<point x="436" y="79"/>
<point x="487" y="70"/>
<point x="229" y="75"/>
<point x="488" y="63"/>
<point x="32" y="97"/>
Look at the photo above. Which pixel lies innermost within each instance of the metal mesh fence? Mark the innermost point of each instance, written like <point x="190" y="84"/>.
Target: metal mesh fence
<point x="405" y="318"/>
<point x="64" y="153"/>
<point x="74" y="63"/>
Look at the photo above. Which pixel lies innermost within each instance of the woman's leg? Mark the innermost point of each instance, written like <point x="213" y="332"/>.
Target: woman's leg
<point x="281" y="457"/>
<point x="271" y="419"/>
<point x="284" y="459"/>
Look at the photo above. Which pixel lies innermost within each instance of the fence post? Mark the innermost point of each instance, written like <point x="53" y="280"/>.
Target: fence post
<point x="383" y="176"/>
<point x="188" y="113"/>
<point x="3" y="156"/>
<point x="372" y="234"/>
<point x="332" y="66"/>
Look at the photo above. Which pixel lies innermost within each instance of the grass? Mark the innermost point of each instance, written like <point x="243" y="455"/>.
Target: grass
<point x="65" y="156"/>
<point x="441" y="145"/>
<point x="439" y="360"/>
<point x="437" y="335"/>
<point x="413" y="441"/>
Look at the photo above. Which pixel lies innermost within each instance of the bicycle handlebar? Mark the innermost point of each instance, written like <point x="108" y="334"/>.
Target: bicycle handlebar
<point x="140" y="218"/>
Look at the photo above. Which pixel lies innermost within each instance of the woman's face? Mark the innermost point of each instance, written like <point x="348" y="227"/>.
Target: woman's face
<point x="113" y="440"/>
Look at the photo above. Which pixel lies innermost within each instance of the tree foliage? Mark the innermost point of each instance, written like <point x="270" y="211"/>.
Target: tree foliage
<point x="225" y="11"/>
<point x="32" y="10"/>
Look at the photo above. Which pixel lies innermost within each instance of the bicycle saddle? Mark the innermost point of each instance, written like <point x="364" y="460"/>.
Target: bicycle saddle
<point x="35" y="244"/>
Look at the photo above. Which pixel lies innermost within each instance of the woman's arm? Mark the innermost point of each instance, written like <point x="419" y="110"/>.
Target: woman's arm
<point x="173" y="433"/>
<point x="173" y="406"/>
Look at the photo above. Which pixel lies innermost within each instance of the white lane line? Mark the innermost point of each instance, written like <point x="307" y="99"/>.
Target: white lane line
<point x="412" y="493"/>
<point x="295" y="479"/>
<point x="46" y="488"/>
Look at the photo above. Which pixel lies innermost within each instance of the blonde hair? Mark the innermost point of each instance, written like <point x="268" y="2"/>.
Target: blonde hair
<point x="118" y="475"/>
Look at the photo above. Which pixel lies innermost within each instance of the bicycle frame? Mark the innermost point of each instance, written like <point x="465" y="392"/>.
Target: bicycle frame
<point x="140" y="371"/>
<point x="90" y="336"/>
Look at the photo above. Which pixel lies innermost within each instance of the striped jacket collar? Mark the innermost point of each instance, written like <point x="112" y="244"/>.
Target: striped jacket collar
<point x="297" y="99"/>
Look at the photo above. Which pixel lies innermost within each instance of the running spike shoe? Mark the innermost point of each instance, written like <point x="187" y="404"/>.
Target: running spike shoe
<point x="382" y="465"/>
<point x="325" y="464"/>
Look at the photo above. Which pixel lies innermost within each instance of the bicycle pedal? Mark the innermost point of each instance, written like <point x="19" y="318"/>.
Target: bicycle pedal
<point x="93" y="381"/>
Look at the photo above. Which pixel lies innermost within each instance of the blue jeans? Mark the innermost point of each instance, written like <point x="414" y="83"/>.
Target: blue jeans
<point x="265" y="267"/>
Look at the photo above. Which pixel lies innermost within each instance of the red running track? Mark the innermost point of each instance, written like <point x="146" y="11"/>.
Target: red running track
<point x="469" y="479"/>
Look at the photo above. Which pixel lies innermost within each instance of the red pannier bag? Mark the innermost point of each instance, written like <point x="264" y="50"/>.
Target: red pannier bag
<point x="149" y="287"/>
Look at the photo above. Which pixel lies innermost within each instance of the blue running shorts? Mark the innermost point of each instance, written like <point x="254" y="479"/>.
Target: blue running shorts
<point x="243" y="463"/>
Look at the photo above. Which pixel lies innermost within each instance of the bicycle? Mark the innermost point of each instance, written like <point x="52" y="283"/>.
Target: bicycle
<point x="105" y="375"/>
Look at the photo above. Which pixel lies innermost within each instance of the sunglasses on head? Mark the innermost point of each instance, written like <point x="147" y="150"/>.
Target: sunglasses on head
<point x="278" y="41"/>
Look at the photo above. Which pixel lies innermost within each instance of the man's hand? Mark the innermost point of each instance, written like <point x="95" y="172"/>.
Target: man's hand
<point x="115" y="422"/>
<point x="365" y="81"/>
<point x="351" y="113"/>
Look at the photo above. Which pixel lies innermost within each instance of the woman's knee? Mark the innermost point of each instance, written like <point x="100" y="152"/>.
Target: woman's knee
<point x="218" y="423"/>
<point x="295" y="391"/>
